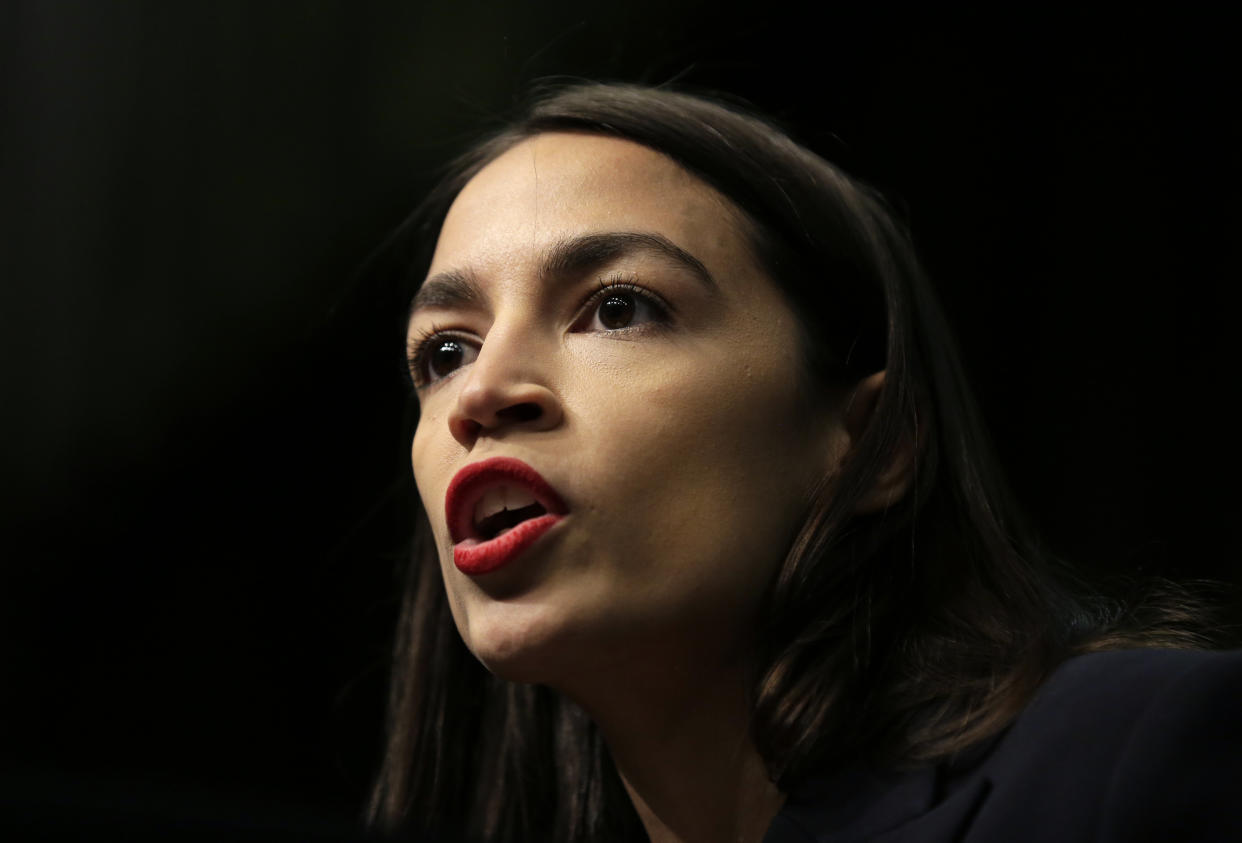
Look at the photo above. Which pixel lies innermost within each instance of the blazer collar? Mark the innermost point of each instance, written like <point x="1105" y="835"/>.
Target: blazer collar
<point x="861" y="802"/>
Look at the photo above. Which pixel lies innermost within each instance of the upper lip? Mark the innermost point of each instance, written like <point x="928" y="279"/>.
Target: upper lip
<point x="472" y="481"/>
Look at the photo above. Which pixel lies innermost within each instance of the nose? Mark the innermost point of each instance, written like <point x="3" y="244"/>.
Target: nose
<point x="505" y="388"/>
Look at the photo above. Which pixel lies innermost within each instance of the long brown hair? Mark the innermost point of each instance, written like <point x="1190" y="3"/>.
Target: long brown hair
<point x="901" y="636"/>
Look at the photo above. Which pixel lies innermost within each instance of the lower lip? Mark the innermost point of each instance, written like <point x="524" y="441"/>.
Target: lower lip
<point x="474" y="557"/>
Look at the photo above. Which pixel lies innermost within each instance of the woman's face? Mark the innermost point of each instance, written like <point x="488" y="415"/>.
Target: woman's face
<point x="595" y="311"/>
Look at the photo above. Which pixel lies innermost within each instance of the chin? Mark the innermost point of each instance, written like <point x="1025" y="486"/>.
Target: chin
<point x="518" y="645"/>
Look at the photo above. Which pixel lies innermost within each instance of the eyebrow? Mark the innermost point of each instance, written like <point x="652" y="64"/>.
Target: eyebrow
<point x="576" y="255"/>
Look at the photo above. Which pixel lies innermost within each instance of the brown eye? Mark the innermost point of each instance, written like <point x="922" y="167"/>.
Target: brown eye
<point x="444" y="357"/>
<point x="617" y="310"/>
<point x="438" y="356"/>
<point x="618" y="306"/>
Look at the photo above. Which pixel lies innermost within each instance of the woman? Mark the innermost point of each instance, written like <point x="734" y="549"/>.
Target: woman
<point x="714" y="547"/>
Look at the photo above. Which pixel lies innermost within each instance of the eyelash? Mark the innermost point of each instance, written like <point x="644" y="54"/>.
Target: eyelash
<point x="422" y="344"/>
<point x="420" y="347"/>
<point x="661" y="310"/>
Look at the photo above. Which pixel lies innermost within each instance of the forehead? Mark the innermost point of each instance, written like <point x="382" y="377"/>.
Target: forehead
<point x="558" y="185"/>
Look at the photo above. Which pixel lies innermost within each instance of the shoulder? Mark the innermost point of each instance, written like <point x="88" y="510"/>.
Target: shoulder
<point x="1113" y="678"/>
<point x="1128" y="745"/>
<point x="1123" y="745"/>
<point x="1104" y="703"/>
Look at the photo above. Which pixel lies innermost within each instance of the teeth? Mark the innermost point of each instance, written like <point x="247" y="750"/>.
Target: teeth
<point x="499" y="498"/>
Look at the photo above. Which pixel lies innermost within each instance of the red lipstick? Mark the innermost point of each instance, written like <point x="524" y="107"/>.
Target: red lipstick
<point x="475" y="552"/>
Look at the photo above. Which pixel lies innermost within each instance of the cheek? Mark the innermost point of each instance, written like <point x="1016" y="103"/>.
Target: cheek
<point x="738" y="419"/>
<point x="710" y="463"/>
<point x="432" y="463"/>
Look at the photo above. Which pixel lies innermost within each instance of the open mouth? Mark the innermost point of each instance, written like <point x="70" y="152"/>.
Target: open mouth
<point x="498" y="523"/>
<point x="495" y="509"/>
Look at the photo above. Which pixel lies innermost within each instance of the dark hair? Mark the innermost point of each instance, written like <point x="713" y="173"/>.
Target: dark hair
<point x="901" y="636"/>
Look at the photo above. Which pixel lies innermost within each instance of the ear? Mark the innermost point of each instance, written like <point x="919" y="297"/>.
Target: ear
<point x="893" y="480"/>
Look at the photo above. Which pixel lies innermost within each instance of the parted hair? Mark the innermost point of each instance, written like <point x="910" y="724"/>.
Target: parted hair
<point x="901" y="636"/>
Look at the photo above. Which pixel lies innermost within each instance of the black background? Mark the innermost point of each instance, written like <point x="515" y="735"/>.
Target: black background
<point x="200" y="530"/>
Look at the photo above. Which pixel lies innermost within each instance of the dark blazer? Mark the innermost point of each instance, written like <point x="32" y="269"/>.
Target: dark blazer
<point x="1131" y="745"/>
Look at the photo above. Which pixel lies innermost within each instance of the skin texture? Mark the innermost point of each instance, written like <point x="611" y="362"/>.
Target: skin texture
<point x="683" y="447"/>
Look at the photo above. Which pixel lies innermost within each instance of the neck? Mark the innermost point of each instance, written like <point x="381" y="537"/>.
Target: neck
<point x="681" y="742"/>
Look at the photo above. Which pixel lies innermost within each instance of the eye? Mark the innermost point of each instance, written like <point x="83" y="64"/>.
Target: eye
<point x="619" y="305"/>
<point x="436" y="355"/>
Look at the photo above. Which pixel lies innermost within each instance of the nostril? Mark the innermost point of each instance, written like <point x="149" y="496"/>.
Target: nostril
<point x="468" y="428"/>
<point x="527" y="411"/>
<point x="468" y="422"/>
